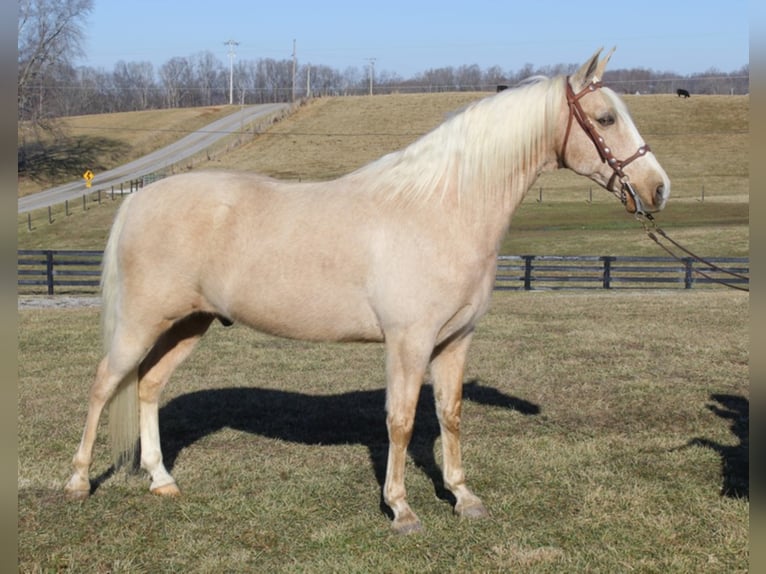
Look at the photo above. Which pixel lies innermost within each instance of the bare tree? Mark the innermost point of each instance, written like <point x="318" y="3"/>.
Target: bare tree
<point x="276" y="78"/>
<point x="246" y="81"/>
<point x="176" y="76"/>
<point x="208" y="73"/>
<point x="50" y="33"/>
<point x="495" y="76"/>
<point x="439" y="79"/>
<point x="133" y="85"/>
<point x="325" y="81"/>
<point x="468" y="78"/>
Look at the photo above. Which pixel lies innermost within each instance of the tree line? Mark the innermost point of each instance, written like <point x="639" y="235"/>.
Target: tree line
<point x="203" y="80"/>
<point x="50" y="85"/>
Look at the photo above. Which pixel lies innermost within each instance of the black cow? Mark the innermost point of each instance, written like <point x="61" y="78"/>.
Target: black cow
<point x="682" y="93"/>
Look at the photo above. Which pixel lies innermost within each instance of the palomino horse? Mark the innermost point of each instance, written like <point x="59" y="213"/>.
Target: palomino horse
<point x="401" y="251"/>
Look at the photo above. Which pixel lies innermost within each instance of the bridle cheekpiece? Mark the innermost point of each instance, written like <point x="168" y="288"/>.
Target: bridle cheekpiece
<point x="626" y="192"/>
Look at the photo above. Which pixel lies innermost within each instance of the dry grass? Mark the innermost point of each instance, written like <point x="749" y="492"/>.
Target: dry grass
<point x="330" y="137"/>
<point x="128" y="135"/>
<point x="600" y="429"/>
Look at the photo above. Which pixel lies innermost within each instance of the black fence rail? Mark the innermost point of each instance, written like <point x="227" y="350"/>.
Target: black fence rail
<point x="57" y="271"/>
<point x="544" y="272"/>
<point x="77" y="272"/>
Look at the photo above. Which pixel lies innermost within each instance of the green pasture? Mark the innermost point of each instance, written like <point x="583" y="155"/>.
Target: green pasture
<point x="606" y="432"/>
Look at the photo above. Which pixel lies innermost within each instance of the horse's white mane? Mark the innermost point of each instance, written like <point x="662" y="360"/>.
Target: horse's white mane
<point x="480" y="151"/>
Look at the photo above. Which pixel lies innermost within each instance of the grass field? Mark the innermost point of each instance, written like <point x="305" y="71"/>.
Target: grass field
<point x="605" y="432"/>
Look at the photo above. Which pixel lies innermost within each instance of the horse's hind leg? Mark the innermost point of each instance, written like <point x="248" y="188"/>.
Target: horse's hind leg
<point x="112" y="370"/>
<point x="172" y="348"/>
<point x="447" y="368"/>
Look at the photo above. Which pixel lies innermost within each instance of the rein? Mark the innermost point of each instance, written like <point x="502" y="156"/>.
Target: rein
<point x="626" y="191"/>
<point x="650" y="226"/>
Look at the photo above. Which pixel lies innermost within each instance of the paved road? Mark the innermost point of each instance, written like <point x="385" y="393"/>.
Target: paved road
<point x="155" y="161"/>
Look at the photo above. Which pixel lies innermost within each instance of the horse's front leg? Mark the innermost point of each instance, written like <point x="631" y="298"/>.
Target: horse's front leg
<point x="406" y="362"/>
<point x="447" y="369"/>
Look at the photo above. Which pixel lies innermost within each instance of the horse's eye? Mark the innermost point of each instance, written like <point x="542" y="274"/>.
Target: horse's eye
<point x="605" y="120"/>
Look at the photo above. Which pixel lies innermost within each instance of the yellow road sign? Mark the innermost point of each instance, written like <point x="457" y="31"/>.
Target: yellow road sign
<point x="88" y="177"/>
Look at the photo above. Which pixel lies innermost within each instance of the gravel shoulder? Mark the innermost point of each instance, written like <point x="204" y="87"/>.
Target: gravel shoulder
<point x="56" y="302"/>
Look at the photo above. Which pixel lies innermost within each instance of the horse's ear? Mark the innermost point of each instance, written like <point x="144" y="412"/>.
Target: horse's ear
<point x="599" y="75"/>
<point x="590" y="71"/>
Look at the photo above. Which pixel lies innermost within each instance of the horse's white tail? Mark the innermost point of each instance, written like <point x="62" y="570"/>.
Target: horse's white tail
<point x="123" y="406"/>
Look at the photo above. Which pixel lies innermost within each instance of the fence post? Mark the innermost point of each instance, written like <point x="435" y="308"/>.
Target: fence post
<point x="607" y="271"/>
<point x="528" y="272"/>
<point x="50" y="215"/>
<point x="66" y="207"/>
<point x="49" y="270"/>
<point x="688" y="275"/>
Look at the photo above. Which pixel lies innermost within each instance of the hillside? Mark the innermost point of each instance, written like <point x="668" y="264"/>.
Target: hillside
<point x="104" y="141"/>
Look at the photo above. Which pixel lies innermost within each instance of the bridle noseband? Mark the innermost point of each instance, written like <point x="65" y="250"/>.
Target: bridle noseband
<point x="626" y="190"/>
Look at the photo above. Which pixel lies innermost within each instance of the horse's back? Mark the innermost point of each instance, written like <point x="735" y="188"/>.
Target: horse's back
<point x="252" y="249"/>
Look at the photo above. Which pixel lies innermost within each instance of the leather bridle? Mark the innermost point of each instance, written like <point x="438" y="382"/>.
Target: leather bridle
<point x="626" y="192"/>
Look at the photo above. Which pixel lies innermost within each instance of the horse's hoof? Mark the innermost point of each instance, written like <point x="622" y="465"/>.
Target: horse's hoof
<point x="166" y="490"/>
<point x="76" y="494"/>
<point x="472" y="511"/>
<point x="405" y="529"/>
<point x="407" y="523"/>
<point x="77" y="488"/>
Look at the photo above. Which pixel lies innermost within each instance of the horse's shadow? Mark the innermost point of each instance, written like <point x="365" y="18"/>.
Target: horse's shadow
<point x="735" y="459"/>
<point x="356" y="417"/>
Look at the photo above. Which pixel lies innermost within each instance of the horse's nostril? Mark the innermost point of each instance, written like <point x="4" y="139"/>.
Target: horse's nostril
<point x="659" y="195"/>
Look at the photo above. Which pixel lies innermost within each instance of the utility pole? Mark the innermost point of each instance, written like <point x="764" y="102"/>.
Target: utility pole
<point x="232" y="45"/>
<point x="295" y="63"/>
<point x="372" y="71"/>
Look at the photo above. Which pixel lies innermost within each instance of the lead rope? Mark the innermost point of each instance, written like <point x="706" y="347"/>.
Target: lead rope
<point x="650" y="226"/>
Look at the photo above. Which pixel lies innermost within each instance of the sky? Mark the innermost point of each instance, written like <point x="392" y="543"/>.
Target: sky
<point x="407" y="37"/>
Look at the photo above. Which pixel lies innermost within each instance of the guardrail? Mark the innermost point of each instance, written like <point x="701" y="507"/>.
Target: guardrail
<point x="77" y="272"/>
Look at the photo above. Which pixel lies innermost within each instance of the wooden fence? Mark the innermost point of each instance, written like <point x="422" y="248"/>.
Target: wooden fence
<point x="55" y="271"/>
<point x="542" y="272"/>
<point x="77" y="272"/>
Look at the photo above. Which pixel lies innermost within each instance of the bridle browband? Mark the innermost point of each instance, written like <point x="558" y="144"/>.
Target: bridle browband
<point x="626" y="190"/>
